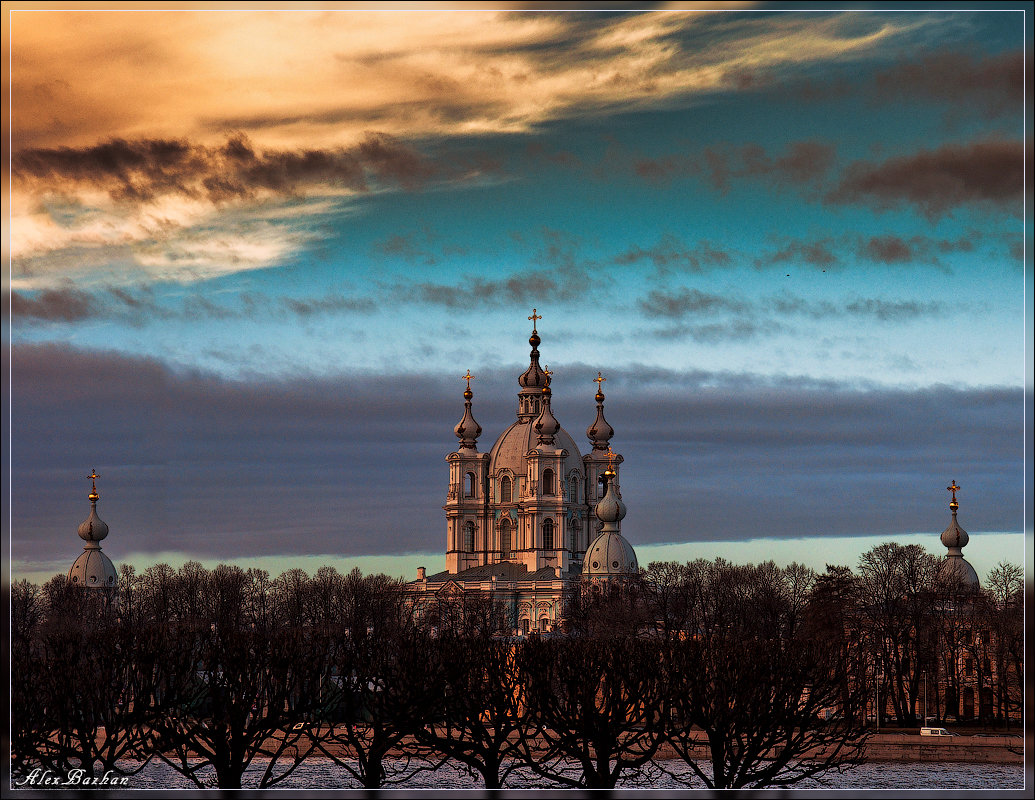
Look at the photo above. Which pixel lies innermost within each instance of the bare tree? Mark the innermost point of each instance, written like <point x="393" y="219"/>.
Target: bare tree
<point x="595" y="702"/>
<point x="477" y="720"/>
<point x="755" y="684"/>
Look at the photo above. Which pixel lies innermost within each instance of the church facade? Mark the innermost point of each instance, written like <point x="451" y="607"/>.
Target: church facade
<point x="521" y="517"/>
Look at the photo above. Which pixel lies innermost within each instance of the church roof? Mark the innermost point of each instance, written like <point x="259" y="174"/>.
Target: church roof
<point x="515" y="442"/>
<point x="93" y="569"/>
<point x="506" y="570"/>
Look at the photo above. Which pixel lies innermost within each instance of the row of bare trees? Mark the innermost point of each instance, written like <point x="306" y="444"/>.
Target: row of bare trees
<point x="729" y="671"/>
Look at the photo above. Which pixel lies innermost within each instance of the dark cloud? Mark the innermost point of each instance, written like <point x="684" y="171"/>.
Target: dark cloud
<point x="138" y="306"/>
<point x="746" y="319"/>
<point x="687" y="302"/>
<point x="802" y="164"/>
<point x="993" y="85"/>
<point x="353" y="464"/>
<point x="64" y="305"/>
<point x="143" y="169"/>
<point x="671" y="253"/>
<point x="938" y="180"/>
<point x="819" y="253"/>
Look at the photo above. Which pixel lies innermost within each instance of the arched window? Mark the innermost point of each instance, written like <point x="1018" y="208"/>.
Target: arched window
<point x="548" y="534"/>
<point x="469" y="484"/>
<point x="506" y="489"/>
<point x="576" y="530"/>
<point x="601" y="486"/>
<point x="544" y="624"/>
<point x="548" y="487"/>
<point x="505" y="538"/>
<point x="469" y="537"/>
<point x="573" y="490"/>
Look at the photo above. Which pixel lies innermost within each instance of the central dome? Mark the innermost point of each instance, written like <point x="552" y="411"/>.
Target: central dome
<point x="515" y="442"/>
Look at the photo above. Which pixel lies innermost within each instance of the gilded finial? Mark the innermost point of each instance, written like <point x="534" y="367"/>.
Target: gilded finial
<point x="610" y="460"/>
<point x="534" y="317"/>
<point x="547" y="372"/>
<point x="953" y="488"/>
<point x="93" y="476"/>
<point x="599" y="381"/>
<point x="467" y="378"/>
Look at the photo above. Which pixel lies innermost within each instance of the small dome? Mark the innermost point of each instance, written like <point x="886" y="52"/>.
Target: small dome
<point x="957" y="570"/>
<point x="92" y="570"/>
<point x="512" y="446"/>
<point x="609" y="554"/>
<point x="954" y="535"/>
<point x="468" y="430"/>
<point x="546" y="425"/>
<point x="610" y="508"/>
<point x="93" y="528"/>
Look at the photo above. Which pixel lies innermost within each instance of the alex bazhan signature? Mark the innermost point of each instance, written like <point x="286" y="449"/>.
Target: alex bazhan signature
<point x="75" y="777"/>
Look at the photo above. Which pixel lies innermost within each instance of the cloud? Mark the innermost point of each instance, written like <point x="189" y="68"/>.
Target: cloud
<point x="994" y="84"/>
<point x="671" y="253"/>
<point x="65" y="305"/>
<point x="145" y="169"/>
<point x="141" y="305"/>
<point x="935" y="181"/>
<point x="817" y="253"/>
<point x="353" y="463"/>
<point x="687" y="301"/>
<point x="312" y="78"/>
<point x="801" y="164"/>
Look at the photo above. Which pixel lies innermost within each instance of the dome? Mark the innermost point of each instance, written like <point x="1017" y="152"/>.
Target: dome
<point x="609" y="554"/>
<point x="93" y="528"/>
<point x="954" y="535"/>
<point x="513" y="445"/>
<point x="92" y="569"/>
<point x="956" y="570"/>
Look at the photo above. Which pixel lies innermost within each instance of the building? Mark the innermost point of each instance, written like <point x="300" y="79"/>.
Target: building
<point x="521" y="517"/>
<point x="93" y="569"/>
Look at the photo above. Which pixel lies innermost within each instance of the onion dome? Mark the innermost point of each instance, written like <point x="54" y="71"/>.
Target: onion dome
<point x="93" y="528"/>
<point x="93" y="569"/>
<point x="546" y="424"/>
<point x="600" y="432"/>
<point x="534" y="377"/>
<point x="956" y="568"/>
<point x="468" y="430"/>
<point x="610" y="555"/>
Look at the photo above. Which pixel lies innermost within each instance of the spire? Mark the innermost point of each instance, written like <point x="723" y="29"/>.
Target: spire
<point x="600" y="432"/>
<point x="532" y="380"/>
<point x="93" y="528"/>
<point x="546" y="424"/>
<point x="467" y="429"/>
<point x="954" y="537"/>
<point x="611" y="510"/>
<point x="93" y="569"/>
<point x="956" y="572"/>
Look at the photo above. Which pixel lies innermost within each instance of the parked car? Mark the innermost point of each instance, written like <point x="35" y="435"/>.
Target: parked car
<point x="935" y="732"/>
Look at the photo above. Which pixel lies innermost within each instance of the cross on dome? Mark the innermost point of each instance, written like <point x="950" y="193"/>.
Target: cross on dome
<point x="953" y="488"/>
<point x="467" y="378"/>
<point x="534" y="317"/>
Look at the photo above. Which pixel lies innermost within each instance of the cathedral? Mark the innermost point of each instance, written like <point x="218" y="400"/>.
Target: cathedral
<point x="532" y="514"/>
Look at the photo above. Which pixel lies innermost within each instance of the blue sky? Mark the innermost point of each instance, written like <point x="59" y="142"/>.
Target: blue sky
<point x="251" y="252"/>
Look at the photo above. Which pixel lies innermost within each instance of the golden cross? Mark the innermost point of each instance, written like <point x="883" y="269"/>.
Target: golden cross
<point x="93" y="476"/>
<point x="953" y="488"/>
<point x="610" y="459"/>
<point x="467" y="378"/>
<point x="534" y="317"/>
<point x="599" y="381"/>
<point x="546" y="371"/>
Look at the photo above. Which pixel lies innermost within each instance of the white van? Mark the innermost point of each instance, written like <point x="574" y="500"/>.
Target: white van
<point x="935" y="732"/>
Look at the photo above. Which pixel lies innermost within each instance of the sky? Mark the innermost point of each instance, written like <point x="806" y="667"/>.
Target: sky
<point x="249" y="253"/>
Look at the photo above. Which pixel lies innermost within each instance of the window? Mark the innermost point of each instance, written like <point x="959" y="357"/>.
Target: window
<point x="573" y="490"/>
<point x="601" y="486"/>
<point x="548" y="534"/>
<point x="548" y="487"/>
<point x="469" y="537"/>
<point x="505" y="538"/>
<point x="575" y="529"/>
<point x="469" y="484"/>
<point x="506" y="489"/>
